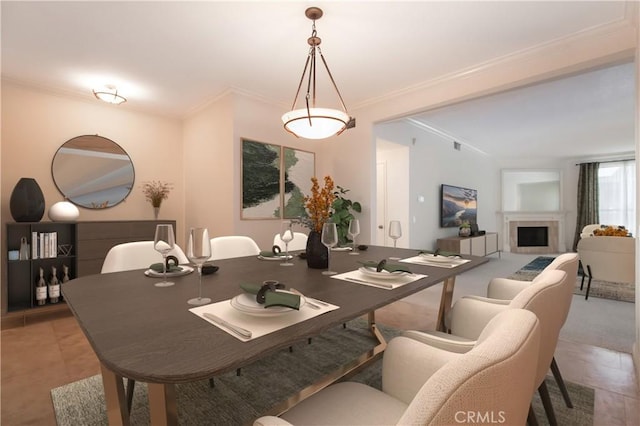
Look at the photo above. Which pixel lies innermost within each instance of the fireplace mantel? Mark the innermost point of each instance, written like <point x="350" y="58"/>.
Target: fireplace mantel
<point x="553" y="219"/>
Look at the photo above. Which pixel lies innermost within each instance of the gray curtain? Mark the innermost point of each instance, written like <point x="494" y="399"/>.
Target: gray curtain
<point x="587" y="199"/>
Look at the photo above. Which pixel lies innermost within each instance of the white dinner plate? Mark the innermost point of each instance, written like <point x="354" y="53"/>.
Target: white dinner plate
<point x="384" y="275"/>
<point x="246" y="303"/>
<point x="438" y="258"/>
<point x="185" y="270"/>
<point x="282" y="257"/>
<point x="341" y="248"/>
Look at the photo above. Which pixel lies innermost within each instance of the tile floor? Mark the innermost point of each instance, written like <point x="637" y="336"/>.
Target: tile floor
<point x="51" y="352"/>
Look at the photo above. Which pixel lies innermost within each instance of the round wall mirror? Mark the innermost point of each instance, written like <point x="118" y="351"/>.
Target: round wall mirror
<point x="93" y="172"/>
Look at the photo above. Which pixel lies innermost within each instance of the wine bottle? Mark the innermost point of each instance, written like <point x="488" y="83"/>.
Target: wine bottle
<point x="54" y="286"/>
<point x="65" y="273"/>
<point x="41" y="289"/>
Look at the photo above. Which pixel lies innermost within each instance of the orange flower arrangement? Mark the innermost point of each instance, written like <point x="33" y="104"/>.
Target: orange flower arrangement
<point x="610" y="231"/>
<point x="320" y="202"/>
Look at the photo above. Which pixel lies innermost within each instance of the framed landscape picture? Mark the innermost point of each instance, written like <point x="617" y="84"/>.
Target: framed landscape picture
<point x="261" y="195"/>
<point x="298" y="167"/>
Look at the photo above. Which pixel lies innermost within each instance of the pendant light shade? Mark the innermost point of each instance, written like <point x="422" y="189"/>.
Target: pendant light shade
<point x="315" y="123"/>
<point x="312" y="122"/>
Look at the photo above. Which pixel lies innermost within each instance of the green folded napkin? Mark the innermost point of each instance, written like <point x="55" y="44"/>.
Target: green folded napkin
<point x="273" y="298"/>
<point x="157" y="267"/>
<point x="439" y="252"/>
<point x="389" y="267"/>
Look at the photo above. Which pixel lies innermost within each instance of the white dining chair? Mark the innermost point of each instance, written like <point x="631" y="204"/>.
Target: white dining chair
<point x="299" y="241"/>
<point x="231" y="246"/>
<point x="136" y="255"/>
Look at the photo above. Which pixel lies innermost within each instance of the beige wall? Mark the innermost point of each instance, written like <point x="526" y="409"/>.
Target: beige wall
<point x="209" y="169"/>
<point x="35" y="124"/>
<point x="212" y="142"/>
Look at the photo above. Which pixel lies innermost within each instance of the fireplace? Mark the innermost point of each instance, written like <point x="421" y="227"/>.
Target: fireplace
<point x="533" y="236"/>
<point x="533" y="233"/>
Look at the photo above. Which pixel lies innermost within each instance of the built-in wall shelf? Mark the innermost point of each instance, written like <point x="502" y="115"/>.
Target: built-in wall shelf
<point x="79" y="246"/>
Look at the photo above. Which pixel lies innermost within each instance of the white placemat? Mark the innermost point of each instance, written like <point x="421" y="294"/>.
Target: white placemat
<point x="423" y="260"/>
<point x="357" y="277"/>
<point x="259" y="326"/>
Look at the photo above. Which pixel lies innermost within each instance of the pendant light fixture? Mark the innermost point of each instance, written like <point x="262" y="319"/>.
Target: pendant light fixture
<point x="109" y="94"/>
<point x="312" y="122"/>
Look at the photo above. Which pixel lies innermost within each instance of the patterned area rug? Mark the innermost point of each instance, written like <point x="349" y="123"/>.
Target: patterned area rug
<point x="237" y="400"/>
<point x="606" y="290"/>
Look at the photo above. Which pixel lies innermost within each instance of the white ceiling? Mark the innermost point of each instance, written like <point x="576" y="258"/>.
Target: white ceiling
<point x="172" y="58"/>
<point x="588" y="115"/>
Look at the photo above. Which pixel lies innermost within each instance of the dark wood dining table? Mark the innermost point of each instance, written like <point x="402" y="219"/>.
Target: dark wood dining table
<point x="148" y="334"/>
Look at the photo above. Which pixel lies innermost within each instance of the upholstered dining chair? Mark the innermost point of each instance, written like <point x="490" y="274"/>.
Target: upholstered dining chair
<point x="507" y="289"/>
<point x="136" y="255"/>
<point x="299" y="241"/>
<point x="233" y="246"/>
<point x="426" y="385"/>
<point x="469" y="315"/>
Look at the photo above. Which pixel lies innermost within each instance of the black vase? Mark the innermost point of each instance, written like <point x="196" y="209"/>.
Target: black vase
<point x="317" y="253"/>
<point x="27" y="201"/>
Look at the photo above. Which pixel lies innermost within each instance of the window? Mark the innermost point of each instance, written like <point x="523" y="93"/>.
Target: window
<point x="617" y="193"/>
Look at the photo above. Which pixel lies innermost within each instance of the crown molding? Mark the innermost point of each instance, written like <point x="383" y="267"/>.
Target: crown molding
<point x="623" y="27"/>
<point x="441" y="133"/>
<point x="234" y="91"/>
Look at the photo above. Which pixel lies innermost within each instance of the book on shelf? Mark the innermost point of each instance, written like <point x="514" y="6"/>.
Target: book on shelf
<point x="44" y="245"/>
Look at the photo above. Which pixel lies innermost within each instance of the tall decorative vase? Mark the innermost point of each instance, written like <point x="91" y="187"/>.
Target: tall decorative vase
<point x="27" y="201"/>
<point x="317" y="253"/>
<point x="156" y="212"/>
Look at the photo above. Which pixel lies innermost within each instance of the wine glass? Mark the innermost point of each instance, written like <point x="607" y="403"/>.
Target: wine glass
<point x="329" y="239"/>
<point x="354" y="231"/>
<point x="198" y="252"/>
<point x="163" y="242"/>
<point x="395" y="232"/>
<point x="286" y="235"/>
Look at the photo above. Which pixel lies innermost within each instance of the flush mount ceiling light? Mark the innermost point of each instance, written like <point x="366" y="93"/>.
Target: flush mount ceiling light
<point x="109" y="94"/>
<point x="312" y="122"/>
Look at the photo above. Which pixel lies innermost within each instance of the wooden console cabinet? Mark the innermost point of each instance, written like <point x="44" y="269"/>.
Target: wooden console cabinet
<point x="89" y="243"/>
<point x="479" y="245"/>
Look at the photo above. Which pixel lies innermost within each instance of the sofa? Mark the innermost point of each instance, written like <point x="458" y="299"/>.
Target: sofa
<point x="607" y="258"/>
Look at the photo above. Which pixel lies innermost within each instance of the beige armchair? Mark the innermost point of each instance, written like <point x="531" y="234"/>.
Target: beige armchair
<point x="544" y="297"/>
<point x="423" y="384"/>
<point x="504" y="288"/>
<point x="610" y="259"/>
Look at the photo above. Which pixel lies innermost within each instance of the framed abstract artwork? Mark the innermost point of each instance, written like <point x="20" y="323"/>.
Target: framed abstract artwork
<point x="261" y="194"/>
<point x="298" y="167"/>
<point x="275" y="180"/>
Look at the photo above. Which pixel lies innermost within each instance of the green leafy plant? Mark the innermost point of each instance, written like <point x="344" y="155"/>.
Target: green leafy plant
<point x="343" y="209"/>
<point x="326" y="204"/>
